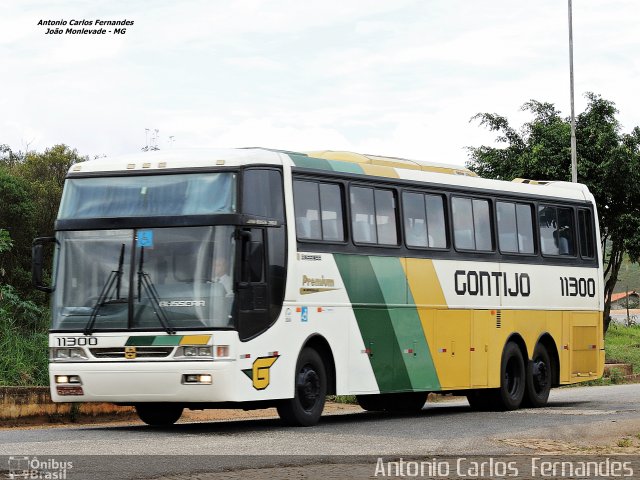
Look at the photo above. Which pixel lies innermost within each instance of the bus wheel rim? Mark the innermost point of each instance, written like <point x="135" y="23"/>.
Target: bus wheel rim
<point x="308" y="387"/>
<point x="540" y="375"/>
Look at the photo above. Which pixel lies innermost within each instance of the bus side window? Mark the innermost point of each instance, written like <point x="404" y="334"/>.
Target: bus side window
<point x="472" y="224"/>
<point x="424" y="220"/>
<point x="585" y="226"/>
<point x="318" y="211"/>
<point x="557" y="232"/>
<point x="515" y="227"/>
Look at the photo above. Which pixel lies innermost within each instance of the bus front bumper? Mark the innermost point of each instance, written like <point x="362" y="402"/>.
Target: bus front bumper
<point x="135" y="382"/>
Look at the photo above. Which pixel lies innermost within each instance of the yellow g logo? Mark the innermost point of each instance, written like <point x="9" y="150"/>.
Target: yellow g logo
<point x="259" y="373"/>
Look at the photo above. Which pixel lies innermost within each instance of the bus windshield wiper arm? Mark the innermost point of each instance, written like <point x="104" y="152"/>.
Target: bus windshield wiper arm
<point x="115" y="277"/>
<point x="144" y="281"/>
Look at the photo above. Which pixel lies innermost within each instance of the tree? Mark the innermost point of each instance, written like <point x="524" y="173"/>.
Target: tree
<point x="608" y="163"/>
<point x="45" y="173"/>
<point x="17" y="215"/>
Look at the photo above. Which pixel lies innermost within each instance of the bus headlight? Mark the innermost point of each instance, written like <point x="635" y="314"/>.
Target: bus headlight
<point x="197" y="379"/>
<point x="67" y="354"/>
<point x="195" y="352"/>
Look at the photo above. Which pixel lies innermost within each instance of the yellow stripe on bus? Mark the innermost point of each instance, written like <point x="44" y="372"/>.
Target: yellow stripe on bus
<point x="195" y="340"/>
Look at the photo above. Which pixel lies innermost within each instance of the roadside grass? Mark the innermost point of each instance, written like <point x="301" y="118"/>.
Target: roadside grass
<point x="622" y="345"/>
<point x="23" y="341"/>
<point x="23" y="357"/>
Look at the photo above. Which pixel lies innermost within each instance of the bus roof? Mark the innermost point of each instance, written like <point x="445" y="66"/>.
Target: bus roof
<point x="335" y="161"/>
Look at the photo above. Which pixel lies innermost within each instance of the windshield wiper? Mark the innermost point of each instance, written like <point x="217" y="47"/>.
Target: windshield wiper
<point x="144" y="280"/>
<point x="115" y="277"/>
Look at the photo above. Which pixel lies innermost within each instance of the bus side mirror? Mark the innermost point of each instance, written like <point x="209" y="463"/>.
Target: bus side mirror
<point x="37" y="261"/>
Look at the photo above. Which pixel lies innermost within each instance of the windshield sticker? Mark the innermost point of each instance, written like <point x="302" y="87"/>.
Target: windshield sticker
<point x="145" y="238"/>
<point x="260" y="372"/>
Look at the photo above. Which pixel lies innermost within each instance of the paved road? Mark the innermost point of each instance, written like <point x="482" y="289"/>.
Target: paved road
<point x="444" y="428"/>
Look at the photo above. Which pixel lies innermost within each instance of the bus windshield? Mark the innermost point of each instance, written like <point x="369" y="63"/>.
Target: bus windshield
<point x="178" y="278"/>
<point x="149" y="195"/>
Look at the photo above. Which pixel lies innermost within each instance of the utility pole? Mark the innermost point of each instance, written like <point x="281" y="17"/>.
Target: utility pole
<point x="574" y="156"/>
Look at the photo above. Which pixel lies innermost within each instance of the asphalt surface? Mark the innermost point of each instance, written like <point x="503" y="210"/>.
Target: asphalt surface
<point x="443" y="428"/>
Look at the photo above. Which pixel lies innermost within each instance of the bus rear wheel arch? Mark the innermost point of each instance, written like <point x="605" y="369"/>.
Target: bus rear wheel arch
<point x="310" y="391"/>
<point x="513" y="375"/>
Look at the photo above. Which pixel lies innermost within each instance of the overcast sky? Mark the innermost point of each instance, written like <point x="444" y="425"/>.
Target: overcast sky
<point x="391" y="77"/>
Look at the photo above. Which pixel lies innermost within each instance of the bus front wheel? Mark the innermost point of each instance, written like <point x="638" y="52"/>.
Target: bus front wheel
<point x="310" y="392"/>
<point x="159" y="414"/>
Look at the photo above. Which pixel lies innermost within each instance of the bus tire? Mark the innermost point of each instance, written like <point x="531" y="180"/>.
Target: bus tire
<point x="310" y="392"/>
<point x="406" y="402"/>
<point x="159" y="414"/>
<point x="512" y="378"/>
<point x="372" y="403"/>
<point x="481" y="400"/>
<point x="538" y="384"/>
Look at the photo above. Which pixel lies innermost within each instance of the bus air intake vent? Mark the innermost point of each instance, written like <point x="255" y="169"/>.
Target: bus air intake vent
<point x="498" y="318"/>
<point x="141" y="352"/>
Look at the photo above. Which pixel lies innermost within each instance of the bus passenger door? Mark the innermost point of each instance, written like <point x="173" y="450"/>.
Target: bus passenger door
<point x="252" y="291"/>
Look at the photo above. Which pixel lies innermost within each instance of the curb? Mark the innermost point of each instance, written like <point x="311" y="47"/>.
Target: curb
<point x="22" y="403"/>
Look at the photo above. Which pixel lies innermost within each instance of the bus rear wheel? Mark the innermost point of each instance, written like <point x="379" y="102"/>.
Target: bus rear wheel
<point x="512" y="378"/>
<point x="538" y="383"/>
<point x="159" y="414"/>
<point x="310" y="392"/>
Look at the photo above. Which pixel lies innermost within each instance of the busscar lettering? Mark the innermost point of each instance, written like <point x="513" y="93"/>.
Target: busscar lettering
<point x="491" y="284"/>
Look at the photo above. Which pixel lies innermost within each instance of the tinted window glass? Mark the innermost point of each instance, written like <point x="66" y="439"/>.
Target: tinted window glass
<point x="386" y="217"/>
<point x="515" y="227"/>
<point x="435" y="221"/>
<point x="507" y="227"/>
<point x="463" y="231"/>
<point x="482" y="225"/>
<point x="557" y="235"/>
<point x="585" y="224"/>
<point x="424" y="220"/>
<point x="415" y="221"/>
<point x="363" y="215"/>
<point x="331" y="204"/>
<point x="525" y="228"/>
<point x="307" y="208"/>
<point x="263" y="193"/>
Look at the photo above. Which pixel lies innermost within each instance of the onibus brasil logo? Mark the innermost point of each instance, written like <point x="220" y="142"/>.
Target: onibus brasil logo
<point x="32" y="468"/>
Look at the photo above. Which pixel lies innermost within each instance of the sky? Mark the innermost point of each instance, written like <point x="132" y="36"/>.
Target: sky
<point x="400" y="78"/>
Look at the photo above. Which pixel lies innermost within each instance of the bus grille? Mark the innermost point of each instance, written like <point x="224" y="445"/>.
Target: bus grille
<point x="141" y="352"/>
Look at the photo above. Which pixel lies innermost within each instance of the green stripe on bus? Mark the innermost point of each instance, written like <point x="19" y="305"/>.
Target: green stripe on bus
<point x="155" y="340"/>
<point x="142" y="341"/>
<point x="406" y="323"/>
<point x="309" y="162"/>
<point x="323" y="164"/>
<point x="345" y="167"/>
<point x="168" y="340"/>
<point x="374" y="322"/>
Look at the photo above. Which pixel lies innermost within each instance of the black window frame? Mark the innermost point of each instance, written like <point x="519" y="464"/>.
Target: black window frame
<point x="574" y="217"/>
<point x="491" y="204"/>
<point x="534" y="227"/>
<point x="447" y="218"/>
<point x="399" y="232"/>
<point x="447" y="191"/>
<point x="345" y="230"/>
<point x="592" y="230"/>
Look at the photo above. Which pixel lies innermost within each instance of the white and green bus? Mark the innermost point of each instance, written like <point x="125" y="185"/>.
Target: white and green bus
<point x="253" y="278"/>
